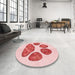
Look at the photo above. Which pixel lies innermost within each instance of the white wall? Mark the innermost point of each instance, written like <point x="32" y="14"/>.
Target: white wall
<point x="73" y="9"/>
<point x="53" y="11"/>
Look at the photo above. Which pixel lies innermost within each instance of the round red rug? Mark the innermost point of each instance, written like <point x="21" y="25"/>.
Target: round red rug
<point x="36" y="54"/>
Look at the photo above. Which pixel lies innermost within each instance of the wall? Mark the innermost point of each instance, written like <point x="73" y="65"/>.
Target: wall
<point x="53" y="11"/>
<point x="73" y="9"/>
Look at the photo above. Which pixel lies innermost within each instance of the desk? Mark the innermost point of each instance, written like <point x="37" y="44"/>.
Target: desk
<point x="42" y="24"/>
<point x="58" y="25"/>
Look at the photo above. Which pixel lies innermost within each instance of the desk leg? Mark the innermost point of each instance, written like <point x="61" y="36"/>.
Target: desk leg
<point x="27" y="27"/>
<point x="64" y="30"/>
<point x="50" y="30"/>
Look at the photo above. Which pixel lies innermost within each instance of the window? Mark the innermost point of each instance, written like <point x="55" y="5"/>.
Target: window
<point x="21" y="10"/>
<point x="26" y="10"/>
<point x="13" y="10"/>
<point x="3" y="12"/>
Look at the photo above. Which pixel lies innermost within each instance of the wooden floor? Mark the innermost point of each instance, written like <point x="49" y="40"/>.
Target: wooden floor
<point x="64" y="43"/>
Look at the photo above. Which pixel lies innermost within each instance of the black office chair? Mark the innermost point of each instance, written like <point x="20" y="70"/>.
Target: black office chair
<point x="38" y="20"/>
<point x="67" y="21"/>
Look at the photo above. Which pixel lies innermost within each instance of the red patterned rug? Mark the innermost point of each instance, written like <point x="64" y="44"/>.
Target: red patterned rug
<point x="36" y="54"/>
